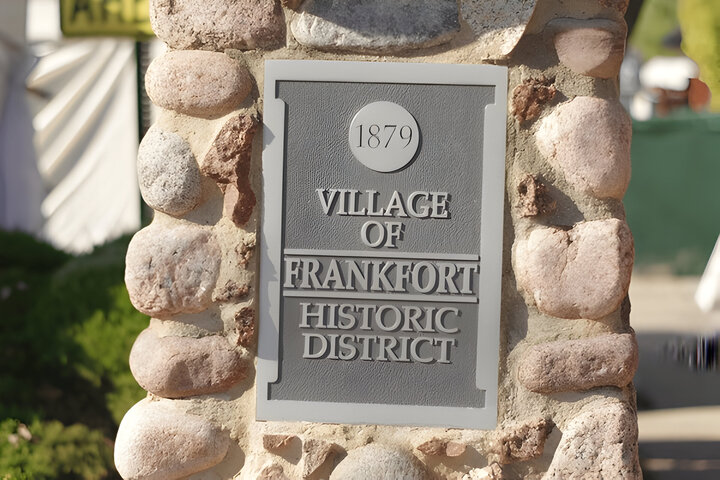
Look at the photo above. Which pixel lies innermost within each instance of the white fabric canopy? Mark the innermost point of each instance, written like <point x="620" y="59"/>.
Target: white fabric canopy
<point x="77" y="187"/>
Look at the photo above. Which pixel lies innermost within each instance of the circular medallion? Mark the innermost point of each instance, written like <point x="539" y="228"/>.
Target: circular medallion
<point x="384" y="136"/>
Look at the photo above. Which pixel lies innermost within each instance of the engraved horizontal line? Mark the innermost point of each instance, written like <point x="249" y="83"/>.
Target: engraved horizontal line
<point x="397" y="297"/>
<point x="383" y="254"/>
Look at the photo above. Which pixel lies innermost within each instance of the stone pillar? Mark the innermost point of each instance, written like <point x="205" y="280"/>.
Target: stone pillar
<point x="568" y="354"/>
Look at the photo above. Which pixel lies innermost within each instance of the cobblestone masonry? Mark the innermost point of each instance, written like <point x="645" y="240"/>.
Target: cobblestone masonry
<point x="567" y="249"/>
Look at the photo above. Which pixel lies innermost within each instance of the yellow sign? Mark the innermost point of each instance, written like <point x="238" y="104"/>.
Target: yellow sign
<point x="105" y="18"/>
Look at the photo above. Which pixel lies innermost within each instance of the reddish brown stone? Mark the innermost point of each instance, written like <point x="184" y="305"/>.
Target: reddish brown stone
<point x="229" y="156"/>
<point x="619" y="5"/>
<point x="291" y="4"/>
<point x="218" y="25"/>
<point x="315" y="454"/>
<point x="534" y="198"/>
<point x="578" y="365"/>
<point x="176" y="367"/>
<point x="245" y="324"/>
<point x="522" y="442"/>
<point x="530" y="96"/>
<point x="238" y="205"/>
<point x="434" y="447"/>
<point x="275" y="442"/>
<point x="232" y="291"/>
<point x="228" y="163"/>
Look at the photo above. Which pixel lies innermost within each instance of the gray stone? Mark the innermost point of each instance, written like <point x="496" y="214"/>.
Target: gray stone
<point x="377" y="462"/>
<point x="583" y="272"/>
<point x="168" y="174"/>
<point x="176" y="367"/>
<point x="498" y="26"/>
<point x="375" y="25"/>
<point x="156" y="441"/>
<point x="588" y="140"/>
<point x="594" y="48"/>
<point x="218" y="25"/>
<point x="196" y="83"/>
<point x="598" y="444"/>
<point x="171" y="270"/>
<point x="576" y="365"/>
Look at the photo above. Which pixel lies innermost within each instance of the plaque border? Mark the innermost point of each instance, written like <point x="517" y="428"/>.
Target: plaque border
<point x="493" y="197"/>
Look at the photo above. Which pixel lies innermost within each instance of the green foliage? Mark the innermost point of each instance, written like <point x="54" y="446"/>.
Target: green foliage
<point x="657" y="19"/>
<point x="50" y="451"/>
<point x="65" y="337"/>
<point x="700" y="22"/>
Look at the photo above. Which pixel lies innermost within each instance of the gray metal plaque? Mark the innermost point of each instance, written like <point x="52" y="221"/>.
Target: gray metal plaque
<point x="381" y="243"/>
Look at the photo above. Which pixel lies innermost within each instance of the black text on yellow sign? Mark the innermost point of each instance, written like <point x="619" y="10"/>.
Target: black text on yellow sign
<point x="105" y="18"/>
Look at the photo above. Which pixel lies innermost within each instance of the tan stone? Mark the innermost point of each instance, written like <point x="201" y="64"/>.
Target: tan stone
<point x="275" y="442"/>
<point x="272" y="472"/>
<point x="379" y="463"/>
<point x="576" y="365"/>
<point x="529" y="98"/>
<point x="521" y="442"/>
<point x="534" y="199"/>
<point x="455" y="449"/>
<point x="201" y="84"/>
<point x="588" y="140"/>
<point x="218" y="25"/>
<point x="176" y="367"/>
<point x="171" y="270"/>
<point x="594" y="48"/>
<point x="598" y="444"/>
<point x="435" y="446"/>
<point x="491" y="472"/>
<point x="168" y="174"/>
<point x="156" y="441"/>
<point x="315" y="454"/>
<point x="583" y="272"/>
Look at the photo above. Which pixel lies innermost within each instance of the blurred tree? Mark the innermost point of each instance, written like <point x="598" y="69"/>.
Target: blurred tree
<point x="656" y="20"/>
<point x="700" y="23"/>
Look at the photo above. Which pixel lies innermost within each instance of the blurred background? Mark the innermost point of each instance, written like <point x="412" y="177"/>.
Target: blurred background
<point x="72" y="111"/>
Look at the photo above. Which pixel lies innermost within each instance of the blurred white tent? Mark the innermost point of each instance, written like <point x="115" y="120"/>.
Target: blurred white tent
<point x="83" y="101"/>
